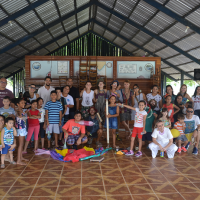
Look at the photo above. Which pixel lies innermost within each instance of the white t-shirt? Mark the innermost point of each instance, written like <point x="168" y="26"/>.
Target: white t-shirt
<point x="45" y="94"/>
<point x="70" y="101"/>
<point x="139" y="116"/>
<point x="42" y="112"/>
<point x="167" y="135"/>
<point x="196" y="102"/>
<point x="191" y="124"/>
<point x="158" y="98"/>
<point x="87" y="98"/>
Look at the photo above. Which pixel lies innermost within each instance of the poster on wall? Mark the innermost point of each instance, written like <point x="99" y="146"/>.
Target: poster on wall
<point x="103" y="68"/>
<point x="135" y="69"/>
<point x="41" y="69"/>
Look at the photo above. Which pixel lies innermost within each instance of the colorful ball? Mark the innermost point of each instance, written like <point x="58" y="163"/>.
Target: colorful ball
<point x="175" y="133"/>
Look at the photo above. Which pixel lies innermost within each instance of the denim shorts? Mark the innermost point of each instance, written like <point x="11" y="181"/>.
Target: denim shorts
<point x="21" y="132"/>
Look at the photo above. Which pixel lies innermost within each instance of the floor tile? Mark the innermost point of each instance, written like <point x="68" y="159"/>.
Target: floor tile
<point x="155" y="178"/>
<point x="177" y="179"/>
<point x="41" y="161"/>
<point x="20" y="191"/>
<point x="167" y="172"/>
<point x="119" y="197"/>
<point x="93" y="190"/>
<point x="197" y="184"/>
<point x="90" y="181"/>
<point x="10" y="174"/>
<point x="163" y="188"/>
<point x="145" y="197"/>
<point x="72" y="173"/>
<point x="131" y="180"/>
<point x="116" y="190"/>
<point x="93" y="198"/>
<point x="188" y="170"/>
<point x="186" y="187"/>
<point x="191" y="196"/>
<point x="113" y="172"/>
<point x="4" y="190"/>
<point x="31" y="174"/>
<point x="35" y="167"/>
<point x="193" y="177"/>
<point x="4" y="181"/>
<point x="68" y="198"/>
<point x="25" y="182"/>
<point x="150" y="171"/>
<point x="42" y="198"/>
<point x="51" y="174"/>
<point x="90" y="166"/>
<point x="131" y="172"/>
<point x="66" y="191"/>
<point x="145" y="164"/>
<point x="140" y="189"/>
<point x="173" y="196"/>
<point x="70" y="181"/>
<point x="16" y="198"/>
<point x="113" y="180"/>
<point x="16" y="167"/>
<point x="48" y="182"/>
<point x="109" y="167"/>
<point x="53" y="167"/>
<point x="44" y="191"/>
<point x="91" y="173"/>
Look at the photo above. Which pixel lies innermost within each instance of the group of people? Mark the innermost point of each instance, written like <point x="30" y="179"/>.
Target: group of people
<point x="55" y="111"/>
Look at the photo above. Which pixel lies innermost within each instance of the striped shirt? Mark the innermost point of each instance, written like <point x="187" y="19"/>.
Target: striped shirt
<point x="179" y="127"/>
<point x="54" y="109"/>
<point x="8" y="137"/>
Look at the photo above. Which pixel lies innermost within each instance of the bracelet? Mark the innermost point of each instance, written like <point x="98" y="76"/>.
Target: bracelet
<point x="122" y="105"/>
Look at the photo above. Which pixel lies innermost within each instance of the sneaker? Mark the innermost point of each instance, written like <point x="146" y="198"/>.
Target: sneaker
<point x="138" y="154"/>
<point x="118" y="138"/>
<point x="187" y="145"/>
<point x="195" y="151"/>
<point x="179" y="150"/>
<point x="130" y="153"/>
<point x="184" y="149"/>
<point x="90" y="140"/>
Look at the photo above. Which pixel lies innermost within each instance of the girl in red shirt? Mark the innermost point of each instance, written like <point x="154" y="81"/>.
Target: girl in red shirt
<point x="33" y="125"/>
<point x="170" y="107"/>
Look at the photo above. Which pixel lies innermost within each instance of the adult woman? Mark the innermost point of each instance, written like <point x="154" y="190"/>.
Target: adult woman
<point x="137" y="96"/>
<point x="100" y="99"/>
<point x="125" y="114"/>
<point x="30" y="95"/>
<point x="178" y="102"/>
<point x="183" y="92"/>
<point x="157" y="97"/>
<point x="196" y="100"/>
<point x="115" y="90"/>
<point x="169" y="91"/>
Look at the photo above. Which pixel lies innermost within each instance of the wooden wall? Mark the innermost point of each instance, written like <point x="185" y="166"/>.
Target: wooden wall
<point x="144" y="84"/>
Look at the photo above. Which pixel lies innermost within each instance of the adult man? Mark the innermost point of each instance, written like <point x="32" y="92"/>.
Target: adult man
<point x="192" y="129"/>
<point x="75" y="95"/>
<point x="162" y="140"/>
<point x="45" y="91"/>
<point x="4" y="92"/>
<point x="96" y="130"/>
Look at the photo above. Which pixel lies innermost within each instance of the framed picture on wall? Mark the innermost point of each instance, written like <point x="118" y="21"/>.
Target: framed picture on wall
<point x="62" y="67"/>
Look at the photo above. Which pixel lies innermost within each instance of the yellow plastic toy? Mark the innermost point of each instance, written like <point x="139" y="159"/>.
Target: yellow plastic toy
<point x="175" y="133"/>
<point x="62" y="152"/>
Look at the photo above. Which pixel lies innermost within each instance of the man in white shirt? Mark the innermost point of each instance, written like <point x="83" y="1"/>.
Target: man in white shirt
<point x="192" y="129"/>
<point x="162" y="140"/>
<point x="45" y="91"/>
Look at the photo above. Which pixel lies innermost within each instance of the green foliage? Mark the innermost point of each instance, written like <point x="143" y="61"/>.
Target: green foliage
<point x="186" y="82"/>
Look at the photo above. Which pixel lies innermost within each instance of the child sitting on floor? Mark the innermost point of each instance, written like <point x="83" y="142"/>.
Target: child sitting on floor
<point x="139" y="126"/>
<point x="8" y="140"/>
<point x="180" y="126"/>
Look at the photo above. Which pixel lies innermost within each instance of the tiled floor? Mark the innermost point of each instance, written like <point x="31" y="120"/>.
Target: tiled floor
<point x="117" y="177"/>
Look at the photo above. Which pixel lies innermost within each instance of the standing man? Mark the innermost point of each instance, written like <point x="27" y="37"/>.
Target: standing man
<point x="4" y="92"/>
<point x="75" y="95"/>
<point x="45" y="91"/>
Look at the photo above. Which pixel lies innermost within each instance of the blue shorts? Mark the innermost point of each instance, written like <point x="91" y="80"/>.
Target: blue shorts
<point x="147" y="136"/>
<point x="113" y="123"/>
<point x="6" y="149"/>
<point x="72" y="139"/>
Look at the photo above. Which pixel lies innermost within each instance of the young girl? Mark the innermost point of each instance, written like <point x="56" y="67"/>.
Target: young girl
<point x="21" y="115"/>
<point x="2" y="123"/>
<point x="183" y="92"/>
<point x="87" y="99"/>
<point x="33" y="125"/>
<point x="139" y="126"/>
<point x="41" y="120"/>
<point x="113" y="113"/>
<point x="178" y="102"/>
<point x="164" y="117"/>
<point x="100" y="99"/>
<point x="196" y="100"/>
<point x="170" y="106"/>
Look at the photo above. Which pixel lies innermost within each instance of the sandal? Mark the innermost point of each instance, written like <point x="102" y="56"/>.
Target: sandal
<point x="13" y="163"/>
<point x="2" y="166"/>
<point x="24" y="152"/>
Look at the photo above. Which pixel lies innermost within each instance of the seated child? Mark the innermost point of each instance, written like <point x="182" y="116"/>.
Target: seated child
<point x="180" y="126"/>
<point x="7" y="139"/>
<point x="72" y="130"/>
<point x="162" y="140"/>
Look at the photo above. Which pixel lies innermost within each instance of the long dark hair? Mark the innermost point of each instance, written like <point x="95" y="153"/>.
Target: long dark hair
<point x="195" y="92"/>
<point x="175" y="101"/>
<point x="161" y="113"/>
<point x="171" y="88"/>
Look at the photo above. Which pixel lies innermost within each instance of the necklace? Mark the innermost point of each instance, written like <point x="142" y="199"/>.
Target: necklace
<point x="161" y="133"/>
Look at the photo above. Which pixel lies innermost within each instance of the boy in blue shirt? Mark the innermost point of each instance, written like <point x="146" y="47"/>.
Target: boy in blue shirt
<point x="6" y="110"/>
<point x="53" y="117"/>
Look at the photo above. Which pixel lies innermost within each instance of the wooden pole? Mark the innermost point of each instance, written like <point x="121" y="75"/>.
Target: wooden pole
<point x="107" y="122"/>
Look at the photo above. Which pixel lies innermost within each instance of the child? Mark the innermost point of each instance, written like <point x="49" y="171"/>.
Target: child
<point x="8" y="142"/>
<point x="72" y="130"/>
<point x="21" y="116"/>
<point x="33" y="125"/>
<point x="63" y="102"/>
<point x="2" y="123"/>
<point x="87" y="99"/>
<point x="113" y="113"/>
<point x="139" y="126"/>
<point x="164" y="116"/>
<point x="41" y="120"/>
<point x="6" y="110"/>
<point x="53" y="117"/>
<point x="180" y="126"/>
<point x="170" y="106"/>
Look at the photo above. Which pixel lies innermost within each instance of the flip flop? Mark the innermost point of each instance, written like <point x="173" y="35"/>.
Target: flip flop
<point x="2" y="166"/>
<point x="13" y="163"/>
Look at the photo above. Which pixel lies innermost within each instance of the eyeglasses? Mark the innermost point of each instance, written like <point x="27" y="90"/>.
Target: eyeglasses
<point x="189" y="111"/>
<point x="32" y="88"/>
<point x="114" y="83"/>
<point x="3" y="82"/>
<point x="135" y="88"/>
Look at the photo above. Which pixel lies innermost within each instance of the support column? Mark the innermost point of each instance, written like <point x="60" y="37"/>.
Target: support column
<point x="182" y="77"/>
<point x="14" y="85"/>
